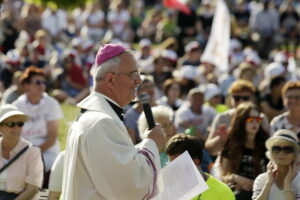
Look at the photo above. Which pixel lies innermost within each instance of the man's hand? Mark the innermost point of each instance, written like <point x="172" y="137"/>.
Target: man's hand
<point x="158" y="135"/>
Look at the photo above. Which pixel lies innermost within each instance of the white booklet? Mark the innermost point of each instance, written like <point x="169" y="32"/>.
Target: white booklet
<point x="180" y="180"/>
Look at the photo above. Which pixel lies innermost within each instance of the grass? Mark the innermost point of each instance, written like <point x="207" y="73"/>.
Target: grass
<point x="70" y="114"/>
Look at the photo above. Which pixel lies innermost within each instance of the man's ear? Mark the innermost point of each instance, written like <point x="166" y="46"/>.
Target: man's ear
<point x="197" y="162"/>
<point x="109" y="79"/>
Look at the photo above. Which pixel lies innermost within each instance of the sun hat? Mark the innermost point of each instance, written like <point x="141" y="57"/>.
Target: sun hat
<point x="107" y="52"/>
<point x="9" y="110"/>
<point x="283" y="134"/>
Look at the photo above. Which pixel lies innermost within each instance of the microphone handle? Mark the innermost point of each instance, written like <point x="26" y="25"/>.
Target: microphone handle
<point x="149" y="115"/>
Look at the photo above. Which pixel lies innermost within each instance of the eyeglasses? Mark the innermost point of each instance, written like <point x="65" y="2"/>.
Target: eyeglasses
<point x="285" y="149"/>
<point x="39" y="82"/>
<point x="296" y="97"/>
<point x="13" y="124"/>
<point x="132" y="75"/>
<point x="251" y="119"/>
<point x="243" y="98"/>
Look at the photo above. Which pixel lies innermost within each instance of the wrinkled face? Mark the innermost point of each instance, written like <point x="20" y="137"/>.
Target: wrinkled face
<point x="36" y="87"/>
<point x="11" y="127"/>
<point x="282" y="152"/>
<point x="292" y="99"/>
<point x="126" y="80"/>
<point x="239" y="97"/>
<point x="167" y="125"/>
<point x="253" y="122"/>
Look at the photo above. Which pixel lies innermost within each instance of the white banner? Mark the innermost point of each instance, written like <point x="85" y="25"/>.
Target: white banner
<point x="217" y="48"/>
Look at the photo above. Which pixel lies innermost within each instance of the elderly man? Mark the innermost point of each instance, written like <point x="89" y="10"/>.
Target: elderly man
<point x="101" y="161"/>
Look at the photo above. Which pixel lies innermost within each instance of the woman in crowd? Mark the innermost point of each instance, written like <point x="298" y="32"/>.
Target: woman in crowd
<point x="172" y="93"/>
<point x="243" y="156"/>
<point x="281" y="181"/>
<point x="163" y="115"/>
<point x="22" y="178"/>
<point x="44" y="111"/>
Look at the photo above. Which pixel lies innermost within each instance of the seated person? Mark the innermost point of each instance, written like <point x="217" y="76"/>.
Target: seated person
<point x="24" y="176"/>
<point x="282" y="180"/>
<point x="181" y="143"/>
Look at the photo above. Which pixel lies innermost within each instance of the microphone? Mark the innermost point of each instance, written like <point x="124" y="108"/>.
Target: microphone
<point x="144" y="99"/>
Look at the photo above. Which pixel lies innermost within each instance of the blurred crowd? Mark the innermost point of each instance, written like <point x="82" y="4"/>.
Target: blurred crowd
<point x="47" y="57"/>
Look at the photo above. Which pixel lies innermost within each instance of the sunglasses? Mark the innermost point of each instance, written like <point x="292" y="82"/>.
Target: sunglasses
<point x="239" y="98"/>
<point x="285" y="149"/>
<point x="13" y="124"/>
<point x="39" y="82"/>
<point x="252" y="119"/>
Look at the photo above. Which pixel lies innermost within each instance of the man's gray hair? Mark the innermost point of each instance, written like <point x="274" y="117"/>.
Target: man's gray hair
<point x="108" y="66"/>
<point x="157" y="111"/>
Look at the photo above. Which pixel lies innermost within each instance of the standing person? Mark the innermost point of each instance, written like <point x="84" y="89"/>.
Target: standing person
<point x="281" y="181"/>
<point x="101" y="161"/>
<point x="22" y="179"/>
<point x="44" y="111"/>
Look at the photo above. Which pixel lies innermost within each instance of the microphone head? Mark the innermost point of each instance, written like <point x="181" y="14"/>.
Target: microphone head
<point x="144" y="98"/>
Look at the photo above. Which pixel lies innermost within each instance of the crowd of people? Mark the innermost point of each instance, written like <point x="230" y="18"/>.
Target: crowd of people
<point x="241" y="126"/>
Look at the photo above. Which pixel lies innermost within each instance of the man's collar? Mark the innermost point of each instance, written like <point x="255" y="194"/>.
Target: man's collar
<point x="119" y="111"/>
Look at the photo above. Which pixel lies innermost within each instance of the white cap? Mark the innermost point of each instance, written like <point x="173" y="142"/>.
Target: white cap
<point x="280" y="57"/>
<point x="145" y="43"/>
<point x="9" y="110"/>
<point x="211" y="90"/>
<point x="188" y="72"/>
<point x="191" y="46"/>
<point x="274" y="69"/>
<point x="169" y="54"/>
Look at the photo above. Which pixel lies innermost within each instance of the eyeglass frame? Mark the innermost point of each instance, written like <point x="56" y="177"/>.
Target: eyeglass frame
<point x="284" y="149"/>
<point x="131" y="75"/>
<point x="13" y="124"/>
<point x="241" y="97"/>
<point x="251" y="119"/>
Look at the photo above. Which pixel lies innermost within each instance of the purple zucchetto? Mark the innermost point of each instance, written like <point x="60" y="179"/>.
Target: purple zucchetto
<point x="107" y="52"/>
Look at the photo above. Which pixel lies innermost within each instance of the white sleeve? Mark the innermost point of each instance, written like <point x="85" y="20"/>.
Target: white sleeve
<point x="258" y="185"/>
<point x="55" y="182"/>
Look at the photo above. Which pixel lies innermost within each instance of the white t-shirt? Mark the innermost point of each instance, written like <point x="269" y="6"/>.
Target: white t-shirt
<point x="184" y="113"/>
<point x="35" y="129"/>
<point x="275" y="193"/>
<point x="118" y="20"/>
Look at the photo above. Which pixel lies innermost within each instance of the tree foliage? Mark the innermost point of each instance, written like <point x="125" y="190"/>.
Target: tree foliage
<point x="66" y="4"/>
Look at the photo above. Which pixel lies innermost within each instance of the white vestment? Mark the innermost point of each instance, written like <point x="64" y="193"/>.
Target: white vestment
<point x="101" y="161"/>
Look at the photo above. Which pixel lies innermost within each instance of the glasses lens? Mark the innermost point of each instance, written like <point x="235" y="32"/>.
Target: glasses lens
<point x="276" y="149"/>
<point x="134" y="75"/>
<point x="288" y="149"/>
<point x="38" y="82"/>
<point x="249" y="119"/>
<point x="236" y="98"/>
<point x="245" y="98"/>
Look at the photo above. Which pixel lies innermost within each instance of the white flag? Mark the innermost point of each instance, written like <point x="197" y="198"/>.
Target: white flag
<point x="217" y="48"/>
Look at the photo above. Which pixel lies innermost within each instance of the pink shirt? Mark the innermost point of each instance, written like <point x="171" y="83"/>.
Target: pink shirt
<point x="28" y="168"/>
